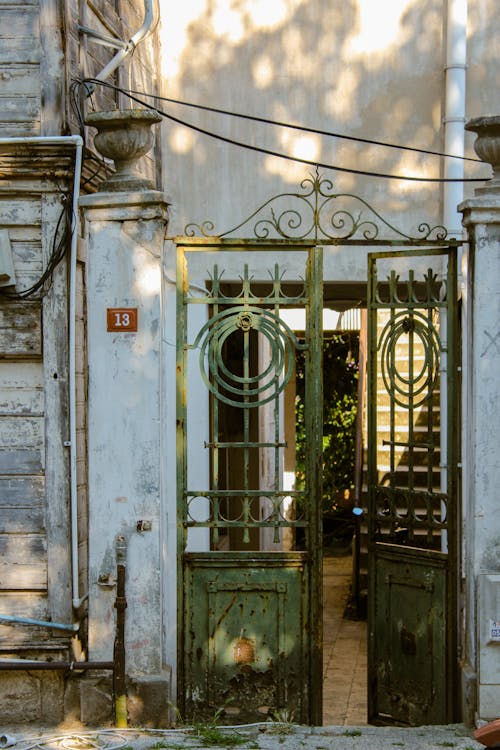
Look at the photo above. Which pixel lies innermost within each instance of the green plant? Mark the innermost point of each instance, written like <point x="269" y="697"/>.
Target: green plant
<point x="340" y="403"/>
<point x="283" y="717"/>
<point x="352" y="733"/>
<point x="211" y="734"/>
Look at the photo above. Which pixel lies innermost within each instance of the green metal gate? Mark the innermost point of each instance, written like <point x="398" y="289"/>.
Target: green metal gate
<point x="250" y="609"/>
<point x="250" y="596"/>
<point x="412" y="483"/>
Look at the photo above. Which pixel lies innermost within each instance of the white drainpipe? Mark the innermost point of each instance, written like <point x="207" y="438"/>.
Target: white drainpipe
<point x="454" y="143"/>
<point x="454" y="115"/>
<point x="129" y="47"/>
<point x="77" y="141"/>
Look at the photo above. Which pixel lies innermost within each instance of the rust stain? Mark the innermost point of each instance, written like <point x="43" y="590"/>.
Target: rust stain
<point x="224" y="614"/>
<point x="244" y="651"/>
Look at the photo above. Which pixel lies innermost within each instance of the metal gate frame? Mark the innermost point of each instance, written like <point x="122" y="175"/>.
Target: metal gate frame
<point x="209" y="577"/>
<point x="407" y="522"/>
<point x="316" y="216"/>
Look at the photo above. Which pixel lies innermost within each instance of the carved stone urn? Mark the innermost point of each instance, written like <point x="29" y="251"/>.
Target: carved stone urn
<point x="487" y="147"/>
<point x="124" y="135"/>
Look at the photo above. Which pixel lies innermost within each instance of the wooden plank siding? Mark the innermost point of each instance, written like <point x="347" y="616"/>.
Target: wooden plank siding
<point x="20" y="103"/>
<point x="22" y="506"/>
<point x="31" y="497"/>
<point x="32" y="604"/>
<point x="20" y="330"/>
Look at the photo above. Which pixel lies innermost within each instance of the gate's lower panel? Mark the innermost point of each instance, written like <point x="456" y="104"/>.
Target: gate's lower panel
<point x="246" y="634"/>
<point x="408" y="634"/>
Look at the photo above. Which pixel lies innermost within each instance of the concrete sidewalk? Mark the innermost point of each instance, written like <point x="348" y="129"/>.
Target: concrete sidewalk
<point x="266" y="736"/>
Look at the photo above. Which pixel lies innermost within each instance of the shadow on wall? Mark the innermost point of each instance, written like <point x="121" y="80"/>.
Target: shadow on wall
<point x="341" y="66"/>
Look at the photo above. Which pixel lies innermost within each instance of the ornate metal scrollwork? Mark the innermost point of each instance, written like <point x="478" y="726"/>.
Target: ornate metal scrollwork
<point x="410" y="389"/>
<point x="245" y="391"/>
<point x="316" y="213"/>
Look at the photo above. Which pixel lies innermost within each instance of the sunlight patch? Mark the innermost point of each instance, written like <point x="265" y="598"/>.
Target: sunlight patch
<point x="263" y="72"/>
<point x="378" y="30"/>
<point x="181" y="140"/>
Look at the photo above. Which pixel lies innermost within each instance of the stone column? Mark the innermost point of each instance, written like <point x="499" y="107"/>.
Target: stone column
<point x="125" y="229"/>
<point x="481" y="217"/>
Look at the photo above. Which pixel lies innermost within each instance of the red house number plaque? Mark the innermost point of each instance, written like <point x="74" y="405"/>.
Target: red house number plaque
<point x="122" y="319"/>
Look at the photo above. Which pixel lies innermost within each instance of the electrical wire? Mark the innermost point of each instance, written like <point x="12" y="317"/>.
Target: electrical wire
<point x="291" y="126"/>
<point x="61" y="241"/>
<point x="281" y="155"/>
<point x="88" y="735"/>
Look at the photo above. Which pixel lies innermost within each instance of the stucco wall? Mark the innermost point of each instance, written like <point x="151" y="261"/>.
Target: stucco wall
<point x="343" y="67"/>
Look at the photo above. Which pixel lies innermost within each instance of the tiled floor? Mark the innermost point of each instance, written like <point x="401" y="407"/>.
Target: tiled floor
<point x="344" y="650"/>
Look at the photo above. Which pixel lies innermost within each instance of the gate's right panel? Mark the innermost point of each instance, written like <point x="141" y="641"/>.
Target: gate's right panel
<point x="412" y="487"/>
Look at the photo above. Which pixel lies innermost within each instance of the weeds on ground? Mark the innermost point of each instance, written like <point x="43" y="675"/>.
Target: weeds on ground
<point x="212" y="734"/>
<point x="352" y="733"/>
<point x="279" y="722"/>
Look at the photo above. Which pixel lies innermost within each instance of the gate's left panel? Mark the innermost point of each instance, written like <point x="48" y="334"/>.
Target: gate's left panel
<point x="248" y="541"/>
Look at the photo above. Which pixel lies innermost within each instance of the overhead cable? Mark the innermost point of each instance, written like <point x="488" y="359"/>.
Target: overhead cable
<point x="278" y="154"/>
<point x="292" y="126"/>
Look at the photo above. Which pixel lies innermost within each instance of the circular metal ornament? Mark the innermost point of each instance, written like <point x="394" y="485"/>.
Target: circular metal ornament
<point x="410" y="389"/>
<point x="247" y="390"/>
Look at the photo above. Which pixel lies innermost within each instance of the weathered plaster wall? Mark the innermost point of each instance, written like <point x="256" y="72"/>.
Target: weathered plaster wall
<point x="125" y="241"/>
<point x="482" y="532"/>
<point x="344" y="67"/>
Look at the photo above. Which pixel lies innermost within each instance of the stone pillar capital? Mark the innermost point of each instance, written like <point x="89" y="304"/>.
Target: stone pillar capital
<point x="482" y="209"/>
<point x="133" y="206"/>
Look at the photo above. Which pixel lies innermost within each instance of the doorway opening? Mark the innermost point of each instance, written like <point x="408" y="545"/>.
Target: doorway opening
<point x="343" y="497"/>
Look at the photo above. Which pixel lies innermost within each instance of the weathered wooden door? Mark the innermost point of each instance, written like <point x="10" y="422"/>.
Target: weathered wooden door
<point x="413" y="503"/>
<point x="249" y="547"/>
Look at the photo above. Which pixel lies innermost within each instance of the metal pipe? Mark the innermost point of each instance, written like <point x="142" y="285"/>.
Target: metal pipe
<point x="105" y="39"/>
<point x="73" y="627"/>
<point x="145" y="30"/>
<point x="119" y="674"/>
<point x="73" y="666"/>
<point x="453" y="192"/>
<point x="454" y="111"/>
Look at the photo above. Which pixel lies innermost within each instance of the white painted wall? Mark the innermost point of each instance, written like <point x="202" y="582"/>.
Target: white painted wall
<point x="125" y="238"/>
<point x="482" y="534"/>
